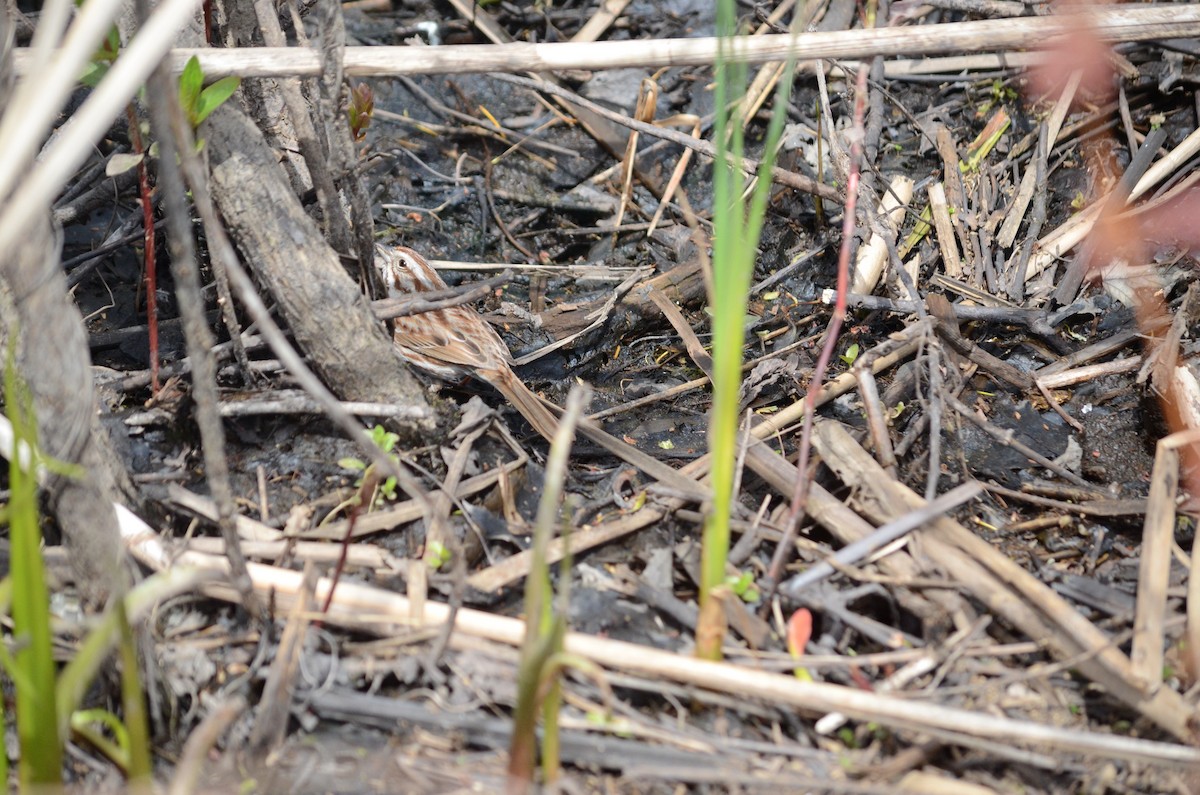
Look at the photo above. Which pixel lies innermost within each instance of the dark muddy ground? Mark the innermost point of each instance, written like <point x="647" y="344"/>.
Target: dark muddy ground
<point x="445" y="182"/>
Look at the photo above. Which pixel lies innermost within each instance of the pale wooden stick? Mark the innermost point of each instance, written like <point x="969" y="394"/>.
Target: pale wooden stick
<point x="358" y="556"/>
<point x="872" y="258"/>
<point x="1089" y="372"/>
<point x="295" y="401"/>
<point x="1154" y="568"/>
<point x="1187" y="391"/>
<point x="947" y="240"/>
<point x="1120" y="23"/>
<point x="600" y="21"/>
<point x="1089" y="353"/>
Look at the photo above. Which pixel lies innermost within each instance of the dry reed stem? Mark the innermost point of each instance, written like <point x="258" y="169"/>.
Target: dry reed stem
<point x="1122" y="23"/>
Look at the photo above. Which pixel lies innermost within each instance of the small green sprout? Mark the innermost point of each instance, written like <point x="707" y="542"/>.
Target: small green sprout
<point x="1002" y="92"/>
<point x="850" y="355"/>
<point x="199" y="102"/>
<point x="743" y="585"/>
<point x="437" y="555"/>
<point x="618" y="727"/>
<point x="386" y="441"/>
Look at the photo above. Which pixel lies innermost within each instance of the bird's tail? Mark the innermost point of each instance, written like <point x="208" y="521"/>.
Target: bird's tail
<point x="525" y="401"/>
<point x="542" y="417"/>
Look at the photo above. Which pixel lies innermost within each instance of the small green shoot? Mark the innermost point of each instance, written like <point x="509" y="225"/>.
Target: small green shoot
<point x="386" y="489"/>
<point x="437" y="555"/>
<point x="1003" y="93"/>
<point x="617" y="727"/>
<point x="743" y="585"/>
<point x="105" y="732"/>
<point x="851" y="355"/>
<point x="199" y="102"/>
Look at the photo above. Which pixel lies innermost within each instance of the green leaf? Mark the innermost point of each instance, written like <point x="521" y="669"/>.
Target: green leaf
<point x="743" y="585"/>
<point x="112" y="45"/>
<point x="436" y="555"/>
<point x="93" y="73"/>
<point x="190" y="83"/>
<point x="37" y="730"/>
<point x="212" y="97"/>
<point x="388" y="488"/>
<point x="384" y="439"/>
<point x="108" y="50"/>
<point x="351" y="463"/>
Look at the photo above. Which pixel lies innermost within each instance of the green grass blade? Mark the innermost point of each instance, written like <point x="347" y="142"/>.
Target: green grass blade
<point x="736" y="233"/>
<point x="41" y="743"/>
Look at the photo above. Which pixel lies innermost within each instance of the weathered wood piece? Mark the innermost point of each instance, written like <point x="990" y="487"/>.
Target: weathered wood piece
<point x="329" y="316"/>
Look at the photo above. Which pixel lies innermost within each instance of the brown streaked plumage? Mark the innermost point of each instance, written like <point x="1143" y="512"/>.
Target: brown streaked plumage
<point x="454" y="342"/>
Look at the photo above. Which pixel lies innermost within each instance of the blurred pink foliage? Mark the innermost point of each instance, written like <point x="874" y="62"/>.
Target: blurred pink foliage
<point x="1119" y="233"/>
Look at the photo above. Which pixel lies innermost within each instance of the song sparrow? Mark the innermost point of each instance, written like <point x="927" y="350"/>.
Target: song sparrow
<point x="454" y="342"/>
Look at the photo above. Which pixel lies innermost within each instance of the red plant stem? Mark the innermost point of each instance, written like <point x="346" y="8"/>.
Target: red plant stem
<point x="366" y="495"/>
<point x="135" y="138"/>
<point x="800" y="494"/>
<point x="336" y="577"/>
